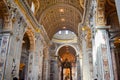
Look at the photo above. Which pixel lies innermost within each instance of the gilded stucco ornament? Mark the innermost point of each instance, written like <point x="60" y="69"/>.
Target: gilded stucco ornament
<point x="100" y="13"/>
<point x="12" y="9"/>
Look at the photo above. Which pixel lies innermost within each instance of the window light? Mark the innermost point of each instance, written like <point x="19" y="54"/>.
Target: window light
<point x="33" y="7"/>
<point x="66" y="32"/>
<point x="60" y="32"/>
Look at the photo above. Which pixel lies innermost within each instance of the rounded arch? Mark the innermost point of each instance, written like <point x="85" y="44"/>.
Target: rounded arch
<point x="66" y="45"/>
<point x="31" y="38"/>
<point x="28" y="47"/>
<point x="67" y="59"/>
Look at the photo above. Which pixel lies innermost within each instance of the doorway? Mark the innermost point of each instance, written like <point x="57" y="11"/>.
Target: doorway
<point x="23" y="70"/>
<point x="67" y="61"/>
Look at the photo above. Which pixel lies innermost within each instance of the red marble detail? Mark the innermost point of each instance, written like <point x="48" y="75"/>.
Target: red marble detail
<point x="107" y="76"/>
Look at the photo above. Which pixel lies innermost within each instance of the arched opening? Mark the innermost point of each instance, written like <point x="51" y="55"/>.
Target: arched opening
<point x="67" y="61"/>
<point x="114" y="34"/>
<point x="117" y="56"/>
<point x="64" y="62"/>
<point x="23" y="73"/>
<point x="26" y="59"/>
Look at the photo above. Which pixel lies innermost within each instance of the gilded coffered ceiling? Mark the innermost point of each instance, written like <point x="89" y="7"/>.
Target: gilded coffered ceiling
<point x="57" y="15"/>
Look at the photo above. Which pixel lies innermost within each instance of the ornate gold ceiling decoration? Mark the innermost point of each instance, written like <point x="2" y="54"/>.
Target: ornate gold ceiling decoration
<point x="111" y="2"/>
<point x="82" y="3"/>
<point x="54" y="15"/>
<point x="70" y="57"/>
<point x="45" y="4"/>
<point x="67" y="52"/>
<point x="3" y="8"/>
<point x="110" y="8"/>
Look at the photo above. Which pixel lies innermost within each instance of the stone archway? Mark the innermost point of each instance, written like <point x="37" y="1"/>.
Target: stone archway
<point x="31" y="38"/>
<point x="26" y="59"/>
<point x="66" y="45"/>
<point x="67" y="62"/>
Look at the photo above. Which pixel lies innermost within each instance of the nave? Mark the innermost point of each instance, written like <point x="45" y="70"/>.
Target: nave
<point x="59" y="40"/>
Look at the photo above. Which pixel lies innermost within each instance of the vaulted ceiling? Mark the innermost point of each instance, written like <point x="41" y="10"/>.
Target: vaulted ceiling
<point x="56" y="15"/>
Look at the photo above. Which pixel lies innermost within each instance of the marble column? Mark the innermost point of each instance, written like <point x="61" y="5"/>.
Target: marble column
<point x="90" y="63"/>
<point x="17" y="55"/>
<point x="102" y="45"/>
<point x="54" y="74"/>
<point x="40" y="66"/>
<point x="94" y="55"/>
<point x="89" y="53"/>
<point x="85" y="67"/>
<point x="103" y="59"/>
<point x="3" y="54"/>
<point x="13" y="58"/>
<point x="31" y="65"/>
<point x="117" y="2"/>
<point x="78" y="69"/>
<point x="45" y="72"/>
